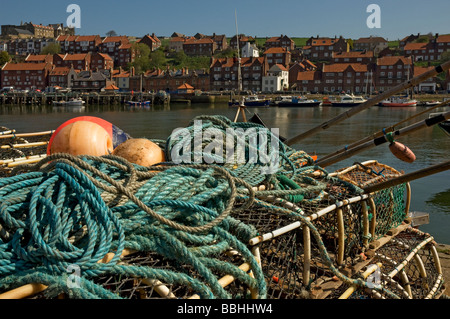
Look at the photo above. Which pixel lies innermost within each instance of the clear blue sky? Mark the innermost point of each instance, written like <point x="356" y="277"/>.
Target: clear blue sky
<point x="294" y="18"/>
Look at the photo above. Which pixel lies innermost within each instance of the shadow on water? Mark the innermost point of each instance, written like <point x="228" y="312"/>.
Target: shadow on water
<point x="440" y="201"/>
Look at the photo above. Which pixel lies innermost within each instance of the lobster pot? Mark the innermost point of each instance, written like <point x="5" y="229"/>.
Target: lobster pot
<point x="15" y="150"/>
<point x="408" y="267"/>
<point x="302" y="242"/>
<point x="387" y="207"/>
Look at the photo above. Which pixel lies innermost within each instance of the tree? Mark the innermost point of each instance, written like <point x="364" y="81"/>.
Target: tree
<point x="141" y="54"/>
<point x="445" y="56"/>
<point x="111" y="33"/>
<point x="4" y="57"/>
<point x="52" y="48"/>
<point x="157" y="59"/>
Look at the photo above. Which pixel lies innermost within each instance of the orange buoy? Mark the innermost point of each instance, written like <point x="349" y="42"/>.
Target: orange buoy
<point x="86" y="135"/>
<point x="402" y="152"/>
<point x="140" y="151"/>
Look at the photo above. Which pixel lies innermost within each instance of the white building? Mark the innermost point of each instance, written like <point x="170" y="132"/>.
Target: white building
<point x="249" y="50"/>
<point x="277" y="79"/>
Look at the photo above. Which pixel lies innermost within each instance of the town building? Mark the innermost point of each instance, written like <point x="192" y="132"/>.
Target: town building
<point x="427" y="86"/>
<point x="79" y="61"/>
<point x="27" y="46"/>
<point x="277" y="55"/>
<point x="30" y="29"/>
<point x="298" y="67"/>
<point x="374" y="44"/>
<point x="117" y="47"/>
<point x="276" y="79"/>
<point x="249" y="50"/>
<point x="199" y="47"/>
<point x="390" y="71"/>
<point x="224" y="73"/>
<point x="39" y="58"/>
<point x="321" y="49"/>
<point x="363" y="56"/>
<point x="307" y="81"/>
<point x="101" y="61"/>
<point x="25" y="76"/>
<point x="151" y="41"/>
<point x="344" y="77"/>
<point x="176" y="43"/>
<point x="243" y="40"/>
<point x="61" y="77"/>
<point x="91" y="81"/>
<point x="79" y="43"/>
<point x="282" y="41"/>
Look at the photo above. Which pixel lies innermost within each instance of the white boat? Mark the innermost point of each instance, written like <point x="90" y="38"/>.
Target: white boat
<point x="252" y="100"/>
<point x="399" y="102"/>
<point x="348" y="100"/>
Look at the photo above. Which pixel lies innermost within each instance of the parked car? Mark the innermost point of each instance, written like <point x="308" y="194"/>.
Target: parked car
<point x="7" y="89"/>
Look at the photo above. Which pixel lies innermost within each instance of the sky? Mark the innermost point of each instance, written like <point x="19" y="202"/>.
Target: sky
<point x="260" y="18"/>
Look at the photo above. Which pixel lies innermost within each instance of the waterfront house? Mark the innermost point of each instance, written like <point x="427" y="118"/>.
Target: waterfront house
<point x="277" y="55"/>
<point x="199" y="47"/>
<point x="282" y="41"/>
<point x="61" y="77"/>
<point x="347" y="77"/>
<point x="390" y="71"/>
<point x="224" y="73"/>
<point x="276" y="79"/>
<point x="91" y="81"/>
<point x="151" y="41"/>
<point x="321" y="48"/>
<point x="421" y="51"/>
<point x="25" y="76"/>
<point x="185" y="88"/>
<point x="374" y="44"/>
<point x="297" y="67"/>
<point x="307" y="81"/>
<point x="122" y="79"/>
<point x="427" y="86"/>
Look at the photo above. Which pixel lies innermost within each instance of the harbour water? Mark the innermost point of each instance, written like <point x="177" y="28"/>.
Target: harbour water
<point x="431" y="146"/>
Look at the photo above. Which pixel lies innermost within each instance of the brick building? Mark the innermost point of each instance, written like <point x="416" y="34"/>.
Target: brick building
<point x="79" y="61"/>
<point x="364" y="57"/>
<point x="199" y="47"/>
<point x="391" y="71"/>
<point x="243" y="39"/>
<point x="224" y="73"/>
<point x="101" y="61"/>
<point x="374" y="44"/>
<point x="282" y="41"/>
<point x="25" y="75"/>
<point x="62" y="77"/>
<point x="321" y="49"/>
<point x="151" y="41"/>
<point x="79" y="43"/>
<point x="277" y="55"/>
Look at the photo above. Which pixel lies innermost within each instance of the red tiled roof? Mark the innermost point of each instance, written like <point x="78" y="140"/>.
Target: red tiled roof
<point x="60" y="71"/>
<point x="75" y="57"/>
<point x="415" y="46"/>
<point x="195" y="41"/>
<point x="120" y="38"/>
<point x="66" y="38"/>
<point x="341" y="67"/>
<point x="185" y="86"/>
<point x="24" y="66"/>
<point x="281" y="66"/>
<point x="323" y="41"/>
<point x="391" y="60"/>
<point x="306" y="75"/>
<point x="36" y="57"/>
<point x="353" y="54"/>
<point x="420" y="70"/>
<point x="370" y="40"/>
<point x="443" y="38"/>
<point x="88" y="38"/>
<point x="105" y="56"/>
<point x="111" y="87"/>
<point x="275" y="50"/>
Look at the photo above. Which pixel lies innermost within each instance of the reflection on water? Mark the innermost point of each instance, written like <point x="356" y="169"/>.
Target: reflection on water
<point x="441" y="201"/>
<point x="431" y="146"/>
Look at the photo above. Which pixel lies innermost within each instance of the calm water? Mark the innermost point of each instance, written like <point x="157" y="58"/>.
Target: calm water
<point x="431" y="146"/>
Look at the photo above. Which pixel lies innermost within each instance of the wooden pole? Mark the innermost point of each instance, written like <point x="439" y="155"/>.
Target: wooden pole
<point x="380" y="140"/>
<point x="399" y="88"/>
<point x="408" y="177"/>
<point x="381" y="133"/>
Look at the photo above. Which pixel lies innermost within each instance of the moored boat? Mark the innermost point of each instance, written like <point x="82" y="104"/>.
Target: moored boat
<point x="348" y="100"/>
<point x="399" y="102"/>
<point x="298" y="101"/>
<point x="138" y="103"/>
<point x="70" y="102"/>
<point x="252" y="101"/>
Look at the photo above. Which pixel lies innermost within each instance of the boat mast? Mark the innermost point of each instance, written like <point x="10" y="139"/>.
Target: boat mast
<point x="238" y="55"/>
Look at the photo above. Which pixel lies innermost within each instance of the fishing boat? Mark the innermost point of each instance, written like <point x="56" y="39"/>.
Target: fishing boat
<point x="298" y="101"/>
<point x="138" y="103"/>
<point x="348" y="100"/>
<point x="252" y="101"/>
<point x="399" y="102"/>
